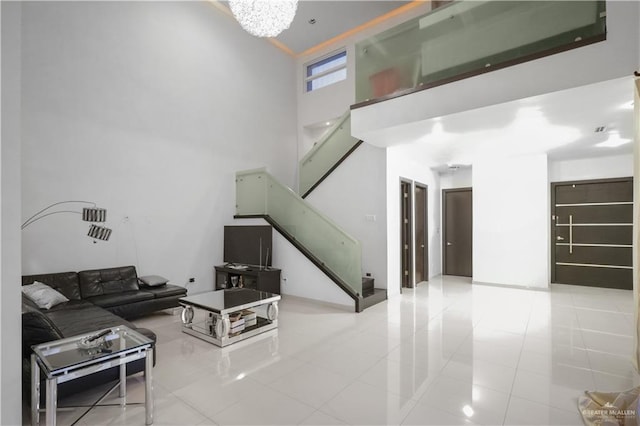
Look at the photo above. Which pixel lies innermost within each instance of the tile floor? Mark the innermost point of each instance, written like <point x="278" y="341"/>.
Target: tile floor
<point x="447" y="352"/>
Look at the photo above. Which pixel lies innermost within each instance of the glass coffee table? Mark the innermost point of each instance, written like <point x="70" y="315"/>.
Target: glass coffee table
<point x="74" y="357"/>
<point x="227" y="316"/>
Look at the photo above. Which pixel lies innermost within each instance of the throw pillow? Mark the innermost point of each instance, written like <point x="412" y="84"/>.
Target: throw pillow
<point x="153" y="280"/>
<point x="43" y="295"/>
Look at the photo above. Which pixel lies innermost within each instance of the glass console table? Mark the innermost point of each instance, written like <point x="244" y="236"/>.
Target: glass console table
<point x="78" y="356"/>
<point x="227" y="316"/>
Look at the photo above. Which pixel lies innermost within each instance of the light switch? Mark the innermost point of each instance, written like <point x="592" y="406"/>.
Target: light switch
<point x="370" y="217"/>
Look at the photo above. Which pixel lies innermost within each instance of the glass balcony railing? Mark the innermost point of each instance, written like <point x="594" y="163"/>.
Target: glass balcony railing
<point x="466" y="38"/>
<point x="259" y="194"/>
<point x="326" y="154"/>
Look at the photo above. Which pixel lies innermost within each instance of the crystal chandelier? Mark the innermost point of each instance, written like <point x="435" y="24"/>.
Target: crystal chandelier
<point x="264" y="18"/>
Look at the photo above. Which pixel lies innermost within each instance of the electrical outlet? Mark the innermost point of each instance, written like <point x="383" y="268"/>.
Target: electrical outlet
<point x="192" y="280"/>
<point x="368" y="274"/>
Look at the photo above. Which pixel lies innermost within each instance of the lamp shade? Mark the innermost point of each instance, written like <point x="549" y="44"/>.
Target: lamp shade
<point x="94" y="214"/>
<point x="99" y="232"/>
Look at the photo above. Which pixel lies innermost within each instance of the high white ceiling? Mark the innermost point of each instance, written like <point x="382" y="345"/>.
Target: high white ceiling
<point x="332" y="18"/>
<point x="561" y="124"/>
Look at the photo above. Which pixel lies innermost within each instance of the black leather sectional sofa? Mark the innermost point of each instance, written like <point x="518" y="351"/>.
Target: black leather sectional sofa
<point x="98" y="299"/>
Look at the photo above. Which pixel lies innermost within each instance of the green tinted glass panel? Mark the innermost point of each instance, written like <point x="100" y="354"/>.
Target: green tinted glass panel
<point x="468" y="37"/>
<point x="326" y="153"/>
<point x="258" y="193"/>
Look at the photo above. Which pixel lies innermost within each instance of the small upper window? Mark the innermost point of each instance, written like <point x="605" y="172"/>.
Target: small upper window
<point x="326" y="71"/>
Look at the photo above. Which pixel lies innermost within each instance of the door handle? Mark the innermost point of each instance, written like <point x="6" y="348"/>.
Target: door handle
<point x="449" y="244"/>
<point x="559" y="238"/>
<point x="570" y="234"/>
<point x="421" y="245"/>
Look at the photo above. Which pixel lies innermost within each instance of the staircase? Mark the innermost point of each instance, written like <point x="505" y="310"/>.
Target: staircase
<point x="323" y="242"/>
<point x="326" y="155"/>
<point x="331" y="249"/>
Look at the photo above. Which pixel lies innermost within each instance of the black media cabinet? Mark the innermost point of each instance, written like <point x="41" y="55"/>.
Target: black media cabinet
<point x="250" y="276"/>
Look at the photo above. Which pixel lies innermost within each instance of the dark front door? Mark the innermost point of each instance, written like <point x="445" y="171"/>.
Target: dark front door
<point x="420" y="200"/>
<point x="458" y="228"/>
<point x="405" y="235"/>
<point x="592" y="233"/>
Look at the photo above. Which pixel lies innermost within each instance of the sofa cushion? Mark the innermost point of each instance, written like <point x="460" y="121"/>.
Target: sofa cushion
<point x="167" y="290"/>
<point x="43" y="295"/>
<point x="36" y="328"/>
<point x="116" y="299"/>
<point x="72" y="322"/>
<point x="64" y="282"/>
<point x="152" y="281"/>
<point x="100" y="282"/>
<point x="71" y="304"/>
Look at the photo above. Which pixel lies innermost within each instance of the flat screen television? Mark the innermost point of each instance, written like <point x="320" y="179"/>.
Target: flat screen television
<point x="248" y="245"/>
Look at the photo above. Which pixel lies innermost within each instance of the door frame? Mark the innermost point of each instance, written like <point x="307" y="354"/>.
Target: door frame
<point x="552" y="222"/>
<point x="404" y="181"/>
<point x="444" y="224"/>
<point x="426" y="229"/>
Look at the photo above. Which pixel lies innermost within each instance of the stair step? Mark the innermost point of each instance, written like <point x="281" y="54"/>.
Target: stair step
<point x="378" y="295"/>
<point x="367" y="286"/>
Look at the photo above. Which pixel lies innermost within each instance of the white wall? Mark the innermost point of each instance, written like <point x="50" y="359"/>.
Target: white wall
<point x="510" y="222"/>
<point x="332" y="101"/>
<point x="402" y="163"/>
<point x="300" y="277"/>
<point x="10" y="346"/>
<point x="354" y="197"/>
<point x="616" y="57"/>
<point x="461" y="178"/>
<point x="148" y="109"/>
<point x="591" y="168"/>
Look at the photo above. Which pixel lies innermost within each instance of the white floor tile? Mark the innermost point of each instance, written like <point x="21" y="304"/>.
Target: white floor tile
<point x="311" y="385"/>
<point x="546" y="390"/>
<point x="607" y="342"/>
<point x="363" y="404"/>
<point x="318" y="418"/>
<point x="456" y="397"/>
<point x="446" y="352"/>
<point x="481" y="373"/>
<point x="426" y="415"/>
<point x="409" y="381"/>
<point x="266" y="408"/>
<point x="525" y="412"/>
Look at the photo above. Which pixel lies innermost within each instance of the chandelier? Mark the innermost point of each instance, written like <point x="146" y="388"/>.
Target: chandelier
<point x="264" y="18"/>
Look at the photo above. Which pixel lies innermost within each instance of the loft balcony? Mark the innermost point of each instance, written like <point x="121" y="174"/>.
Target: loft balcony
<point x="467" y="38"/>
<point x="473" y="54"/>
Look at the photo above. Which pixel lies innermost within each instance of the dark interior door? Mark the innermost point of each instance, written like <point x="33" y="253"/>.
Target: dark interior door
<point x="592" y="233"/>
<point x="458" y="231"/>
<point x="405" y="234"/>
<point x="420" y="217"/>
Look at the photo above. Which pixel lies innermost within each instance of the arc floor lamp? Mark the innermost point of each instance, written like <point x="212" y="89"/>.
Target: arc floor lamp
<point x="93" y="214"/>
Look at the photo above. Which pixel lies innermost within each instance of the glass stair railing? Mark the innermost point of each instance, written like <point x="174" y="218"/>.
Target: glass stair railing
<point x="327" y="154"/>
<point x="334" y="251"/>
<point x="466" y="38"/>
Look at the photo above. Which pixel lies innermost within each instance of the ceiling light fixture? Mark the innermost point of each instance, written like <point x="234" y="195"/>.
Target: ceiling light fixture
<point x="613" y="141"/>
<point x="264" y="18"/>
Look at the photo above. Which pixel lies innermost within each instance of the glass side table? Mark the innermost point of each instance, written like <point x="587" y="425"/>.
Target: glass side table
<point x="78" y="356"/>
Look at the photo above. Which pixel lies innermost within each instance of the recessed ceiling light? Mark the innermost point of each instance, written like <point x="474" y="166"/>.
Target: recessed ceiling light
<point x="328" y="123"/>
<point x="613" y="141"/>
<point x="627" y="106"/>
